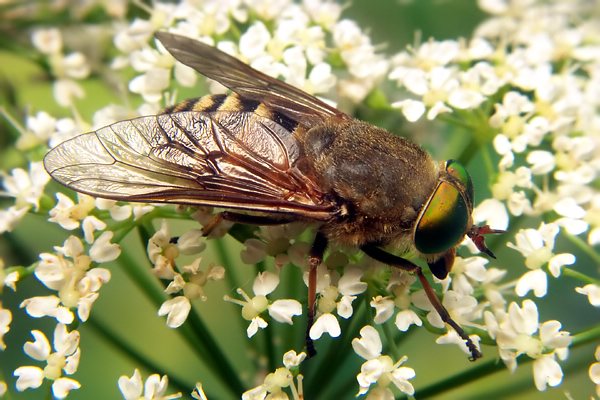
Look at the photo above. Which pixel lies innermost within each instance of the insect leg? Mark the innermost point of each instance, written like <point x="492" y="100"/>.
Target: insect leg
<point x="399" y="262"/>
<point x="244" y="219"/>
<point x="314" y="260"/>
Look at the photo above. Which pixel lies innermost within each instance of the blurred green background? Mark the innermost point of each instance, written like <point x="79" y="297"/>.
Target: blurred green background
<point x="132" y="316"/>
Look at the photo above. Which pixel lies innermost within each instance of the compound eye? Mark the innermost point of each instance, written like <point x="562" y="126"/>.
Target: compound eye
<point x="444" y="221"/>
<point x="458" y="171"/>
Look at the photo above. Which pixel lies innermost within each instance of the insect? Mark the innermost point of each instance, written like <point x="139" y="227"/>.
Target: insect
<point x="270" y="153"/>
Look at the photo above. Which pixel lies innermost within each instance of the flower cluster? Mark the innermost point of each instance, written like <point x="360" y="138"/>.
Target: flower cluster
<point x="70" y="273"/>
<point x="64" y="358"/>
<point x="524" y="89"/>
<point x="189" y="280"/>
<point x="380" y="369"/>
<point x="516" y="333"/>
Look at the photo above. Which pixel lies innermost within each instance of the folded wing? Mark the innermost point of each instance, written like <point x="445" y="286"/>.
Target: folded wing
<point x="224" y="159"/>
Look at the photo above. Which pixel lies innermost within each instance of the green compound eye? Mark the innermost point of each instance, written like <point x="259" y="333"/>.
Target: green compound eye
<point x="444" y="221"/>
<point x="458" y="171"/>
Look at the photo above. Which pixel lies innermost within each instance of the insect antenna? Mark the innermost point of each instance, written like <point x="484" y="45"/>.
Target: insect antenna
<point x="476" y="235"/>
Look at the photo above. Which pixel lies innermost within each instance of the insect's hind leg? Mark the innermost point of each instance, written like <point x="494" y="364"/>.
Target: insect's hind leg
<point x="402" y="263"/>
<point x="244" y="219"/>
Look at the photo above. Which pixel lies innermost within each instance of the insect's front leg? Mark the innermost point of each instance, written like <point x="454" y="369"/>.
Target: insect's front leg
<point x="244" y="219"/>
<point x="398" y="262"/>
<point x="315" y="258"/>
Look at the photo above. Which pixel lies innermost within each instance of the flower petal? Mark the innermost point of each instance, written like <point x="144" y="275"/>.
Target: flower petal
<point x="369" y="345"/>
<point x="326" y="323"/>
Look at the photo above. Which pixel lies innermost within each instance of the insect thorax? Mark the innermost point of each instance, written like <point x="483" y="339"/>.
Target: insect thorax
<point x="381" y="180"/>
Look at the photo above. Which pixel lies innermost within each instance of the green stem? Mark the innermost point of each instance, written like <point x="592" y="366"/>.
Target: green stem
<point x="588" y="336"/>
<point x="583" y="246"/>
<point x="469" y="151"/>
<point x="121" y="233"/>
<point x="12" y="121"/>
<point x="225" y="260"/>
<point x="390" y="340"/>
<point x="450" y="119"/>
<point x="579" y="276"/>
<point x="487" y="161"/>
<point x="102" y="330"/>
<point x="270" y="347"/>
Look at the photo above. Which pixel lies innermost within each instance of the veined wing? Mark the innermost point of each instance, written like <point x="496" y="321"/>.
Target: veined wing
<point x="224" y="159"/>
<point x="248" y="82"/>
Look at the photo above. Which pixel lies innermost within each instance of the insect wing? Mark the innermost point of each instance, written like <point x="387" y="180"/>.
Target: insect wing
<point x="248" y="82"/>
<point x="224" y="159"/>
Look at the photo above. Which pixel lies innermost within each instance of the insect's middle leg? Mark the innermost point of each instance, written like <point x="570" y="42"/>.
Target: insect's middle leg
<point x="315" y="258"/>
<point x="383" y="256"/>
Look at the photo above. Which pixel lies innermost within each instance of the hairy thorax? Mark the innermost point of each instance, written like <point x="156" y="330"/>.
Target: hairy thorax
<point x="379" y="180"/>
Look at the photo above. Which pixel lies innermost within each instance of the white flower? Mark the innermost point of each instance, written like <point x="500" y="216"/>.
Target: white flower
<point x="69" y="272"/>
<point x="176" y="309"/>
<point x="398" y="285"/>
<point x="191" y="242"/>
<point x="103" y="250"/>
<point x="465" y="271"/>
<point x="151" y="84"/>
<point x="191" y="283"/>
<point x="546" y="372"/>
<point x="10" y="217"/>
<point x="592" y="292"/>
<point x="66" y="69"/>
<point x="68" y="214"/>
<point x="412" y="109"/>
<point x="380" y="369"/>
<point x="365" y="66"/>
<point x="518" y="332"/>
<point x="254" y="41"/>
<point x="162" y="252"/>
<point x="47" y="306"/>
<point x="252" y="307"/>
<point x="348" y="286"/>
<point x="384" y="308"/>
<point x="154" y="388"/>
<point x="5" y="320"/>
<point x="324" y="13"/>
<point x="48" y="41"/>
<point x="542" y="162"/>
<point x="537" y="245"/>
<point x="325" y="323"/>
<point x="291" y="359"/>
<point x="117" y="212"/>
<point x="64" y="359"/>
<point x="9" y="279"/>
<point x="280" y="242"/>
<point x="39" y="129"/>
<point x="26" y="187"/>
<point x="406" y="318"/>
<point x="491" y="212"/>
<point x="463" y="308"/>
